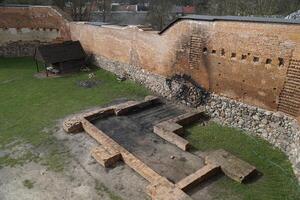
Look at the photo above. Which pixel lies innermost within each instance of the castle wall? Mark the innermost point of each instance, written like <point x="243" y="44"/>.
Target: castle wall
<point x="247" y="68"/>
<point x="243" y="61"/>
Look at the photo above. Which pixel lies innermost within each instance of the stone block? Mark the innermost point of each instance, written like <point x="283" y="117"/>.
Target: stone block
<point x="100" y="113"/>
<point x="172" y="138"/>
<point x="107" y="157"/>
<point x="125" y="108"/>
<point x="133" y="106"/>
<point x="199" y="176"/>
<point x="170" y="127"/>
<point x="141" y="168"/>
<point x="232" y="166"/>
<point x="188" y="118"/>
<point x="164" y="190"/>
<point x="72" y="125"/>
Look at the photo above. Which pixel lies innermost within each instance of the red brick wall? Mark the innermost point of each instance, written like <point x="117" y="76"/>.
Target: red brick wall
<point x="249" y="70"/>
<point x="245" y="61"/>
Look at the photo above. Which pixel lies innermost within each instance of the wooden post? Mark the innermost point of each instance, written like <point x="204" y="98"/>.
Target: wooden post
<point x="36" y="62"/>
<point x="37" y="66"/>
<point x="46" y="70"/>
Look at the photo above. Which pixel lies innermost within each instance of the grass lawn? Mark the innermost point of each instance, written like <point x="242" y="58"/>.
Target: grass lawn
<point x="29" y="105"/>
<point x="278" y="180"/>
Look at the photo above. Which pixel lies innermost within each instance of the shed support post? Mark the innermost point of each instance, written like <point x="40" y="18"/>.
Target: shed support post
<point x="46" y="70"/>
<point x="37" y="66"/>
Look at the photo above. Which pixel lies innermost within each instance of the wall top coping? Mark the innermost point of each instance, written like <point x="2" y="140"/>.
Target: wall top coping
<point x="233" y="18"/>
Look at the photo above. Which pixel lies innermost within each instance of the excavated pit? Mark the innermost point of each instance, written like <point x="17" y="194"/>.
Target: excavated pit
<point x="135" y="133"/>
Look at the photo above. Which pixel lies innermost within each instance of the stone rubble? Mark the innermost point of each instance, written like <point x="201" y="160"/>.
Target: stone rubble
<point x="277" y="128"/>
<point x="184" y="90"/>
<point x="19" y="49"/>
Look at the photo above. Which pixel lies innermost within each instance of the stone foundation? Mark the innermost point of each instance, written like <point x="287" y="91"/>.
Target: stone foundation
<point x="280" y="130"/>
<point x="18" y="49"/>
<point x="113" y="150"/>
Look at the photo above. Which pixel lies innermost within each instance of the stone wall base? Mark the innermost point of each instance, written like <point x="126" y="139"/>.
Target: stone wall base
<point x="18" y="49"/>
<point x="278" y="129"/>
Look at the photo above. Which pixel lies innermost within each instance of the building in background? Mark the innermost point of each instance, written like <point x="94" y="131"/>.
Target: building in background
<point x="294" y="15"/>
<point x="123" y="14"/>
<point x="184" y="10"/>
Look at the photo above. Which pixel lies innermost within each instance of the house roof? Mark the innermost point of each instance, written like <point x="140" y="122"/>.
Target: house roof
<point x="189" y="9"/>
<point x="232" y="18"/>
<point x="62" y="52"/>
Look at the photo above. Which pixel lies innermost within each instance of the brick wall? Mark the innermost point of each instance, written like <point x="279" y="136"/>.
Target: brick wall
<point x="245" y="61"/>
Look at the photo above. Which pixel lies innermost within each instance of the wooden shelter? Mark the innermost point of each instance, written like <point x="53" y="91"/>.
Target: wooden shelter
<point x="61" y="58"/>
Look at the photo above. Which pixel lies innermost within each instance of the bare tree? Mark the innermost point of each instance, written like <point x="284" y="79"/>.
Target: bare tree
<point x="160" y="13"/>
<point x="105" y="7"/>
<point x="252" y="7"/>
<point x="59" y="3"/>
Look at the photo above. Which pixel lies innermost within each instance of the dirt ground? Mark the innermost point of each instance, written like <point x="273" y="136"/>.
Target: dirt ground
<point x="83" y="178"/>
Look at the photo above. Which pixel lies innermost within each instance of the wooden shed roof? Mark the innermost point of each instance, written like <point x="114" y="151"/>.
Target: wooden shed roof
<point x="62" y="52"/>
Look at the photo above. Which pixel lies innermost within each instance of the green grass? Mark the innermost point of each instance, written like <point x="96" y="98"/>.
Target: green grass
<point x="28" y="184"/>
<point x="100" y="188"/>
<point x="277" y="182"/>
<point x="28" y="105"/>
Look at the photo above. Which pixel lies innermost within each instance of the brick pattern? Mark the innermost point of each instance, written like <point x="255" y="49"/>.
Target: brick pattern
<point x="240" y="60"/>
<point x="164" y="190"/>
<point x="232" y="166"/>
<point x="73" y="125"/>
<point x="196" y="51"/>
<point x="171" y="129"/>
<point x="188" y="118"/>
<point x="171" y="137"/>
<point x="107" y="157"/>
<point x="110" y="152"/>
<point x="199" y="176"/>
<point x="289" y="100"/>
<point x="135" y="106"/>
